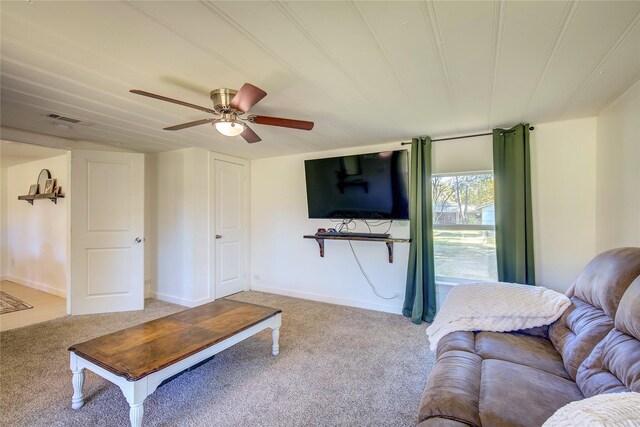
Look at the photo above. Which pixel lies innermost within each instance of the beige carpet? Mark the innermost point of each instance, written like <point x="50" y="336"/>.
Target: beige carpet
<point x="338" y="366"/>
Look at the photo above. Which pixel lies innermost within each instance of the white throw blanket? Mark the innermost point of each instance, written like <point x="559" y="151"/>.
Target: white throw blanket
<point x="498" y="307"/>
<point x="614" y="409"/>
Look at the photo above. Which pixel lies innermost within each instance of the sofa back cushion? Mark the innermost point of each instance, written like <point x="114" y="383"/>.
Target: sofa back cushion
<point x="595" y="296"/>
<point x="614" y="364"/>
<point x="606" y="278"/>
<point x="628" y="315"/>
<point x="577" y="332"/>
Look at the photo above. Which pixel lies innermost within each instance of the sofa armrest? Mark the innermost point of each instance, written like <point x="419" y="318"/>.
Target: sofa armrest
<point x="453" y="389"/>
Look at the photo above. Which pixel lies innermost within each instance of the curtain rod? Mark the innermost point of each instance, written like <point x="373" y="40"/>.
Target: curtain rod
<point x="467" y="136"/>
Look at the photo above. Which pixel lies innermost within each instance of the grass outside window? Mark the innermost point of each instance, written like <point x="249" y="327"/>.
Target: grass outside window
<point x="465" y="254"/>
<point x="464" y="226"/>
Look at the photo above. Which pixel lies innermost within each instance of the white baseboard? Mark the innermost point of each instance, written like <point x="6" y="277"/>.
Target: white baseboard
<point x="330" y="299"/>
<point x="167" y="298"/>
<point x="39" y="286"/>
<point x="177" y="300"/>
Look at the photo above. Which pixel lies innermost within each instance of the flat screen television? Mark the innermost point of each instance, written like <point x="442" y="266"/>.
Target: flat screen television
<point x="365" y="186"/>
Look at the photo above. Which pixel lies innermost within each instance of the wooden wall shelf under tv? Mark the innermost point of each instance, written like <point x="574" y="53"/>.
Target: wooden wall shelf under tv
<point x="389" y="241"/>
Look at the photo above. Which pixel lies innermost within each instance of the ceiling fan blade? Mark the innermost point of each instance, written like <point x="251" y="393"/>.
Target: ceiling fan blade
<point x="248" y="96"/>
<point x="190" y="124"/>
<point x="174" y="101"/>
<point x="286" y="123"/>
<point x="249" y="135"/>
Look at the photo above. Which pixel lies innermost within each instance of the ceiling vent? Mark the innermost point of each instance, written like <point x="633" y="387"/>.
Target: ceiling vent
<point x="68" y="119"/>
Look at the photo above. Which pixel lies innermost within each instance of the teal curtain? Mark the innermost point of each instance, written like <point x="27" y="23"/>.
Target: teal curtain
<point x="514" y="222"/>
<point x="420" y="296"/>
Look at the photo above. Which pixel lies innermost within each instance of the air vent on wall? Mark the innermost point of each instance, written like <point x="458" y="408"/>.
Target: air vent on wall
<point x="68" y="119"/>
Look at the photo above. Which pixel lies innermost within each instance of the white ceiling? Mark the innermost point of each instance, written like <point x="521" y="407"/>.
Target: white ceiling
<point x="14" y="153"/>
<point x="365" y="72"/>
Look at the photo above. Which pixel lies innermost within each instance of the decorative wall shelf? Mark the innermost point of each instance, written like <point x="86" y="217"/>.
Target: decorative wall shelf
<point x="51" y="196"/>
<point x="389" y="241"/>
<point x="44" y="183"/>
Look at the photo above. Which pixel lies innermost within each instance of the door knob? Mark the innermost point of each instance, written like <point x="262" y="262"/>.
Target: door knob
<point x="218" y="236"/>
<point x="138" y="240"/>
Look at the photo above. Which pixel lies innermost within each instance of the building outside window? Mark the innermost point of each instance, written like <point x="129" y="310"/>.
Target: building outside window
<point x="464" y="227"/>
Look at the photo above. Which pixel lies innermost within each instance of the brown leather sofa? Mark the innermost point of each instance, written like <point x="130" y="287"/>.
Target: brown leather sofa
<point x="521" y="378"/>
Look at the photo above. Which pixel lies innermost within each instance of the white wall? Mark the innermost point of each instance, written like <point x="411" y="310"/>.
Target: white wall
<point x="166" y="241"/>
<point x="196" y="227"/>
<point x="150" y="217"/>
<point x="285" y="263"/>
<point x="179" y="257"/>
<point x="37" y="235"/>
<point x="618" y="173"/>
<point x="563" y="162"/>
<point x="3" y="222"/>
<point x="563" y="173"/>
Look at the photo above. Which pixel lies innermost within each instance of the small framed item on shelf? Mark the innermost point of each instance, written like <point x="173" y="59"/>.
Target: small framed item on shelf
<point x="49" y="185"/>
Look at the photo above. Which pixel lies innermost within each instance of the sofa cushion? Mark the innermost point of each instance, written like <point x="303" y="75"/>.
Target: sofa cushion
<point x="516" y="395"/>
<point x="577" y="332"/>
<point x="459" y="340"/>
<point x="534" y="352"/>
<point x="453" y="389"/>
<point x="614" y="365"/>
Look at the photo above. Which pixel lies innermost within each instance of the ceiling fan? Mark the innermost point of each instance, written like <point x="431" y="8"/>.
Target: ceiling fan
<point x="229" y="106"/>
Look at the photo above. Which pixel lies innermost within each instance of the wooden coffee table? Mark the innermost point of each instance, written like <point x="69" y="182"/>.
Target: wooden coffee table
<point x="139" y="358"/>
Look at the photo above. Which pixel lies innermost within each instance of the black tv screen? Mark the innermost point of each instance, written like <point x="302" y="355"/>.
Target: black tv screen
<point x="364" y="186"/>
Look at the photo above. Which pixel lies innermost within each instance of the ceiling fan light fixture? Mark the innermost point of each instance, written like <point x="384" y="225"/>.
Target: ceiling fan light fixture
<point x="228" y="107"/>
<point x="230" y="127"/>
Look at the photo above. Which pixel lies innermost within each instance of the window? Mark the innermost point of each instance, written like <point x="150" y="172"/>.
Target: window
<point x="464" y="226"/>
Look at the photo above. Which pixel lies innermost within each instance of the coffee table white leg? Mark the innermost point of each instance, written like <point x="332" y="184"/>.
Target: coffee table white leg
<point x="275" y="334"/>
<point x="135" y="414"/>
<point x="135" y="392"/>
<point x="77" y="401"/>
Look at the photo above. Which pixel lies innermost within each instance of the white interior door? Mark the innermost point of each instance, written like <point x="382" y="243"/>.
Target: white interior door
<point x="229" y="228"/>
<point x="107" y="222"/>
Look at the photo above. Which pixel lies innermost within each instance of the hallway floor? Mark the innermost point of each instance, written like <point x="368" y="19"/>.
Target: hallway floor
<point x="45" y="306"/>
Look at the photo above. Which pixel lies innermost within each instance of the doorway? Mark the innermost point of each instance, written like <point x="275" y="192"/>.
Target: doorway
<point x="33" y="233"/>
<point x="96" y="265"/>
<point x="229" y="227"/>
